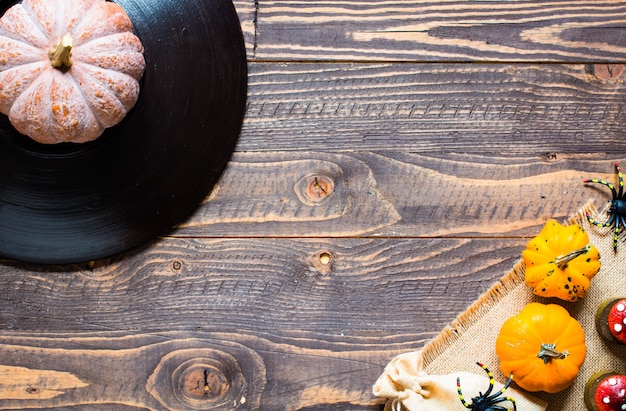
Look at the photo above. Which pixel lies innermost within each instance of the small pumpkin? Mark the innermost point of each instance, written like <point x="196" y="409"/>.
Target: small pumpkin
<point x="560" y="262"/>
<point x="542" y="346"/>
<point x="69" y="69"/>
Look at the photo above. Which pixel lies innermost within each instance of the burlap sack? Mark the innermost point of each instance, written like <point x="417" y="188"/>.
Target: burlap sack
<point x="471" y="337"/>
<point x="409" y="387"/>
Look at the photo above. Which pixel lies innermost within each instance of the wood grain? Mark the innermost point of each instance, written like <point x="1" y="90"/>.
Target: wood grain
<point x="397" y="195"/>
<point x="489" y="109"/>
<point x="394" y="160"/>
<point x="368" y="288"/>
<point x="300" y="330"/>
<point x="403" y="30"/>
<point x="145" y="363"/>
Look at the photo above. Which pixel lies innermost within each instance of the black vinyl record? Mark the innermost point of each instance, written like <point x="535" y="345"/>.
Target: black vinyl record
<point x="70" y="203"/>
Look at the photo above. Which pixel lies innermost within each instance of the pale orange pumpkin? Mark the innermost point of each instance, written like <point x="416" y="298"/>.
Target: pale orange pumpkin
<point x="69" y="69"/>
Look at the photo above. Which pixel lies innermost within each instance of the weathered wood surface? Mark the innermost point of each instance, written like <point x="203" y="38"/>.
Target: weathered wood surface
<point x="427" y="30"/>
<point x="394" y="159"/>
<point x="395" y="195"/>
<point x="519" y="109"/>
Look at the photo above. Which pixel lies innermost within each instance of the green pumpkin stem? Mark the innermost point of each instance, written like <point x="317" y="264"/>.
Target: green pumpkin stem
<point x="60" y="54"/>
<point x="562" y="260"/>
<point x="548" y="352"/>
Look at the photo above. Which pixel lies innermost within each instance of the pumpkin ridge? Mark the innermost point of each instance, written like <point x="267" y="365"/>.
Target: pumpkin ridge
<point x="568" y="335"/>
<point x="102" y="12"/>
<point x="34" y="24"/>
<point x="23" y="101"/>
<point x="116" y="70"/>
<point x="128" y="104"/>
<point x="119" y="103"/>
<point x="128" y="57"/>
<point x="8" y="89"/>
<point x="33" y="17"/>
<point x="72" y="77"/>
<point x="24" y="53"/>
<point x="79" y="16"/>
<point x="59" y="128"/>
<point x="84" y="43"/>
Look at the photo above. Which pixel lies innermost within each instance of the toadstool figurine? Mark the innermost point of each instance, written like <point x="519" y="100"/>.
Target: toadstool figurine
<point x="611" y="320"/>
<point x="69" y="69"/>
<point x="606" y="391"/>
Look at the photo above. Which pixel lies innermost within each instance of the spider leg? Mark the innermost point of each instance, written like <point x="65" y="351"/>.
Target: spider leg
<point x="616" y="232"/>
<point x="460" y="393"/>
<point x="604" y="183"/>
<point x="622" y="222"/>
<point x="501" y="408"/>
<point x="608" y="223"/>
<point x="491" y="379"/>
<point x="501" y="391"/>
<point x="620" y="178"/>
<point x="512" y="401"/>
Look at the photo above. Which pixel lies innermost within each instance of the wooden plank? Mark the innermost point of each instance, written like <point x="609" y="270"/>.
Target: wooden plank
<point x="184" y="371"/>
<point x="247" y="12"/>
<point x="483" y="109"/>
<point x="425" y="30"/>
<point x="314" y="194"/>
<point x="374" y="195"/>
<point x="297" y="323"/>
<point x="343" y="289"/>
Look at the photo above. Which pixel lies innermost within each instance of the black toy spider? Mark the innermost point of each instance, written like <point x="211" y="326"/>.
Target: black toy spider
<point x="617" y="211"/>
<point x="487" y="402"/>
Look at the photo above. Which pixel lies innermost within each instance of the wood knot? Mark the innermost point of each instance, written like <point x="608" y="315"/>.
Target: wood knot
<point x="209" y="383"/>
<point x="198" y="379"/>
<point x="204" y="383"/>
<point x="607" y="71"/>
<point x="315" y="189"/>
<point x="550" y="157"/>
<point x="33" y="390"/>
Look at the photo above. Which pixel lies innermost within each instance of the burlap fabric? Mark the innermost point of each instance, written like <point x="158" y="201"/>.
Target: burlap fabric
<point x="471" y="337"/>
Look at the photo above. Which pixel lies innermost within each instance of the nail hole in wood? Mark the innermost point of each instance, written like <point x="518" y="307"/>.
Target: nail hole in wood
<point x="321" y="262"/>
<point x="324" y="258"/>
<point x="177" y="265"/>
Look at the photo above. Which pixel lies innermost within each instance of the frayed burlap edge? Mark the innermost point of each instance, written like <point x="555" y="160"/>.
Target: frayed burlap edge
<point x="467" y="339"/>
<point x="488" y="300"/>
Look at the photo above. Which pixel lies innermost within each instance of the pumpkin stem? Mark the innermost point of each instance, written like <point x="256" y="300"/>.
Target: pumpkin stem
<point x="548" y="352"/>
<point x="60" y="54"/>
<point x="562" y="260"/>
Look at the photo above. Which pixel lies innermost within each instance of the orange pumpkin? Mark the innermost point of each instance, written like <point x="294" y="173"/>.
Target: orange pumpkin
<point x="69" y="69"/>
<point x="560" y="262"/>
<point x="542" y="346"/>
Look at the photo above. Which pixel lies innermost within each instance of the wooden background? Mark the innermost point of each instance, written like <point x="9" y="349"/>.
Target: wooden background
<point x="395" y="158"/>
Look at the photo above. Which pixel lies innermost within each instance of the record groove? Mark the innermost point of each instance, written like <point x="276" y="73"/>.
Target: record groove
<point x="69" y="203"/>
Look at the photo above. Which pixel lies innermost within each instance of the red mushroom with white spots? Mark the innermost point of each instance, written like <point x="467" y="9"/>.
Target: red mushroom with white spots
<point x="611" y="320"/>
<point x="606" y="392"/>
